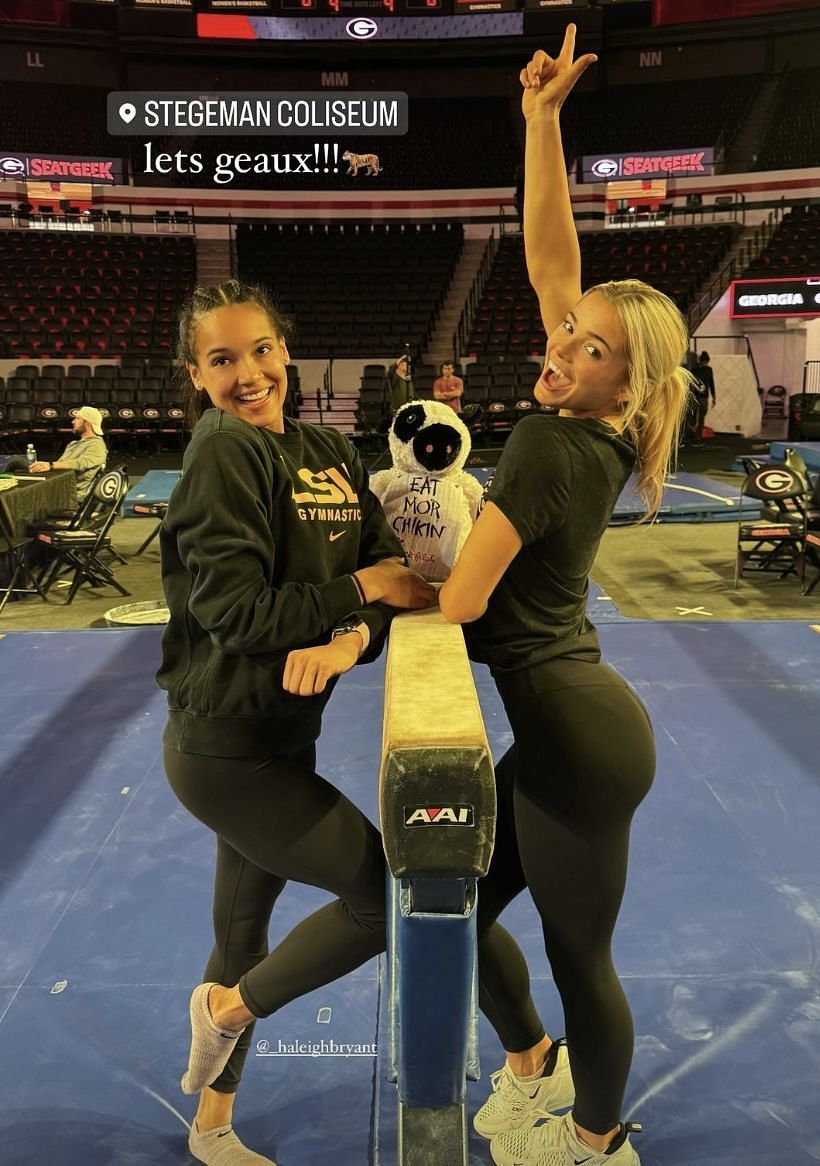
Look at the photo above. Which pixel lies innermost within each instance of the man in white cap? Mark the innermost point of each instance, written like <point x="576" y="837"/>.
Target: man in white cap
<point x="85" y="455"/>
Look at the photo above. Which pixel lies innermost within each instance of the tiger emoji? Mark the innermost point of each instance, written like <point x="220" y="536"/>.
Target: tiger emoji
<point x="354" y="161"/>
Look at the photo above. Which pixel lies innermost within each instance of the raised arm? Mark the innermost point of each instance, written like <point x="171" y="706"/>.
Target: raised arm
<point x="550" y="239"/>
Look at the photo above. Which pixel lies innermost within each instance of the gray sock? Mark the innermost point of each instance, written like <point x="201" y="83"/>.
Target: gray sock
<point x="221" y="1147"/>
<point x="211" y="1046"/>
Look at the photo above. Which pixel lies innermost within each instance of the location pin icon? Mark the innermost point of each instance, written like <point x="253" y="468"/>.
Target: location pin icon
<point x="127" y="112"/>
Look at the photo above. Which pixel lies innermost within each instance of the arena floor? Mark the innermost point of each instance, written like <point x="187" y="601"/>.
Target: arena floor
<point x="104" y="910"/>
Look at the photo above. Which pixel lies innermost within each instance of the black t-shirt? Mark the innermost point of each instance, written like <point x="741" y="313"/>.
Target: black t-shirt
<point x="704" y="381"/>
<point x="557" y="482"/>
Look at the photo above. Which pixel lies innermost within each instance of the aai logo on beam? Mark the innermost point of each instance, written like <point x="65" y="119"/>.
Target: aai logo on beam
<point x="438" y="816"/>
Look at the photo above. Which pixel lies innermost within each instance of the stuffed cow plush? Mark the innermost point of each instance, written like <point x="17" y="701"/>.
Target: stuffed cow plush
<point x="429" y="500"/>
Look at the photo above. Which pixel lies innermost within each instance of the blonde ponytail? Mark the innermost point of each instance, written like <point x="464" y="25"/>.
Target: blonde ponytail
<point x="653" y="412"/>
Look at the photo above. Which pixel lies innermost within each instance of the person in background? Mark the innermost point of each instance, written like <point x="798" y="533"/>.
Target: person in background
<point x="448" y="387"/>
<point x="85" y="455"/>
<point x="704" y="389"/>
<point x="399" y="385"/>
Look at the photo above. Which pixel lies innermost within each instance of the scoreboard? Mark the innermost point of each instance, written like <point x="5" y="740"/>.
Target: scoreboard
<point x="320" y="7"/>
<point x="361" y="20"/>
<point x="374" y="8"/>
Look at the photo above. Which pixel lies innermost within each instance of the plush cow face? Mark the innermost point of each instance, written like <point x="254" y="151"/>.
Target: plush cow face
<point x="428" y="437"/>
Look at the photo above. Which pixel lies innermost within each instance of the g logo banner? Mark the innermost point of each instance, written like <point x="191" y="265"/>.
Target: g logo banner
<point x="605" y="168"/>
<point x="361" y="28"/>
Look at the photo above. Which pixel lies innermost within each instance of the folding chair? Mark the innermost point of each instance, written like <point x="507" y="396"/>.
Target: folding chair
<point x="86" y="516"/>
<point x="773" y="544"/>
<point x="13" y="550"/>
<point x="774" y="401"/>
<point x="773" y="510"/>
<point x="80" y="550"/>
<point x="82" y="516"/>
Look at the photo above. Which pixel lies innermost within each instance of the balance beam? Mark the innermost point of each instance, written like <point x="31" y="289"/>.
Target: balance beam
<point x="437" y="804"/>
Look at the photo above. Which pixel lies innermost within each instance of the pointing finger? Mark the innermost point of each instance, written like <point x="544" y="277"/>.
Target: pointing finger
<point x="568" y="47"/>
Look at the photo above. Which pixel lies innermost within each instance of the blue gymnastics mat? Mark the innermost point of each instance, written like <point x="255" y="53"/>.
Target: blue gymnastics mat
<point x="105" y="904"/>
<point x="155" y="486"/>
<point x="686" y="498"/>
<point x="808" y="450"/>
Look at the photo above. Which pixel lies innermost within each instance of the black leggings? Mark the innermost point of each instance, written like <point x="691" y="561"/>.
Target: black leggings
<point x="277" y="820"/>
<point x="582" y="761"/>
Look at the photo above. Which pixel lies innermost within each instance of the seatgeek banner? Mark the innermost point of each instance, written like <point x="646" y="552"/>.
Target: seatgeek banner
<point x="695" y="163"/>
<point x="17" y="167"/>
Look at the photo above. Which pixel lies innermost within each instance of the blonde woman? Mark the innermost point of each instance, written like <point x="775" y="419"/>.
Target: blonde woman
<point x="583" y="756"/>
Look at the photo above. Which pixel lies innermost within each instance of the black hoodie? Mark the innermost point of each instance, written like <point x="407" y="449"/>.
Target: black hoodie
<point x="262" y="533"/>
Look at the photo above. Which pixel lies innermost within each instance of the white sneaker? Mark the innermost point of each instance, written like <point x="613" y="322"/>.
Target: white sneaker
<point x="220" y="1146"/>
<point x="555" y="1143"/>
<point x="515" y="1104"/>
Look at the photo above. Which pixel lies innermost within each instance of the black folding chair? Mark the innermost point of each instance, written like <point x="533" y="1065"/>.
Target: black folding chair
<point x="86" y="516"/>
<point x="773" y="543"/>
<point x="21" y="578"/>
<point x="79" y="551"/>
<point x="80" y="517"/>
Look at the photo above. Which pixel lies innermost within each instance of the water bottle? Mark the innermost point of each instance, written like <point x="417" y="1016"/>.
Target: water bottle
<point x="31" y="455"/>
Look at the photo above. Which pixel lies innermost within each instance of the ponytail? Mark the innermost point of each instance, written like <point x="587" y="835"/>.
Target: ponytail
<point x="653" y="412"/>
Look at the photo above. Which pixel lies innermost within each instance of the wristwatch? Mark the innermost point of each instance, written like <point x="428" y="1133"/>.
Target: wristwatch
<point x="352" y="623"/>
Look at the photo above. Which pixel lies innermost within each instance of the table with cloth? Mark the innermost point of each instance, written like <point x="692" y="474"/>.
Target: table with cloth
<point x="32" y="498"/>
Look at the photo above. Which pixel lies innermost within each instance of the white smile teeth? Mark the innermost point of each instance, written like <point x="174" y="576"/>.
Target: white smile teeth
<point x="248" y="399"/>
<point x="553" y="368"/>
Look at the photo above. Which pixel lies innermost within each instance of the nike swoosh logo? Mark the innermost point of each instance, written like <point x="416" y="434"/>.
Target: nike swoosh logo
<point x="334" y="534"/>
<point x="224" y="1134"/>
<point x="580" y="1161"/>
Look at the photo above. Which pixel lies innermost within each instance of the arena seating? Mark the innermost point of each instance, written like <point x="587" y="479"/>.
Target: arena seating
<point x="793" y="138"/>
<point x="620" y="118"/>
<point x="676" y="261"/>
<point x="138" y="396"/>
<point x="53" y="123"/>
<point x="794" y="248"/>
<point x="91" y="295"/>
<point x="353" y="289"/>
